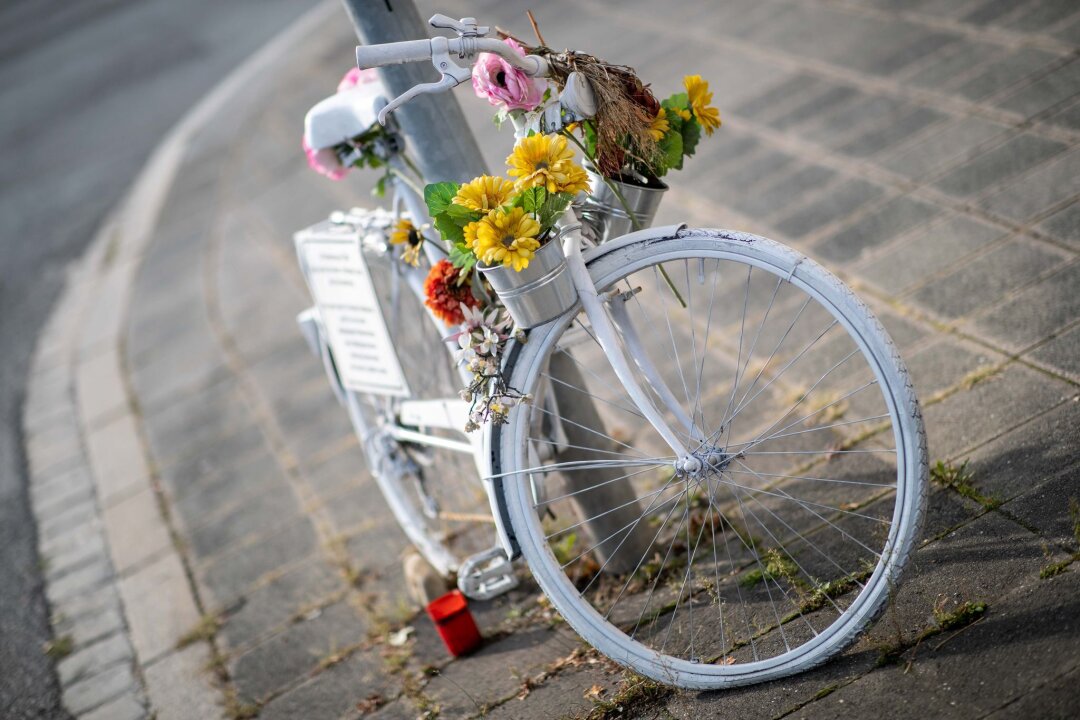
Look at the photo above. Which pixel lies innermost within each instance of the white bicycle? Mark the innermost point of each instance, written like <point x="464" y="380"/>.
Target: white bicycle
<point x="722" y="469"/>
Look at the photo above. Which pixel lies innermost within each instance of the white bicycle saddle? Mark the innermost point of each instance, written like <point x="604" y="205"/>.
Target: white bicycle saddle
<point x="343" y="116"/>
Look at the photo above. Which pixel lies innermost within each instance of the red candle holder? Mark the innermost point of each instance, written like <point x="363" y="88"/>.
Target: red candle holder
<point x="455" y="623"/>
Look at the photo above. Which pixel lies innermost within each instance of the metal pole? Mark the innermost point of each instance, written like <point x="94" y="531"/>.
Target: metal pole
<point x="445" y="149"/>
<point x="434" y="125"/>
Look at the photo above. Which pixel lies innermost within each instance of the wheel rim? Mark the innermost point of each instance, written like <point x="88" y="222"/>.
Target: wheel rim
<point x="799" y="587"/>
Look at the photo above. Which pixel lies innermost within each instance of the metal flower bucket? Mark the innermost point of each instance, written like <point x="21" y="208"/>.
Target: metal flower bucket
<point x="606" y="216"/>
<point x="539" y="293"/>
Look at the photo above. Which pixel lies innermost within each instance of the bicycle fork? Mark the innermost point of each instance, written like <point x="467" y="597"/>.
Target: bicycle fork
<point x="607" y="328"/>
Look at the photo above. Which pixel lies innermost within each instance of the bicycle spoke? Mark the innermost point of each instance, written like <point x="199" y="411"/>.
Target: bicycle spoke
<point x="744" y="405"/>
<point x="738" y="360"/>
<point x="592" y="487"/>
<point x="554" y="443"/>
<point x="815" y="479"/>
<point x="804" y="504"/>
<point x="816" y="412"/>
<point x="705" y="349"/>
<point x="810" y="430"/>
<point x="610" y="403"/>
<point x="587" y="429"/>
<point x="782" y="539"/>
<point x="606" y="512"/>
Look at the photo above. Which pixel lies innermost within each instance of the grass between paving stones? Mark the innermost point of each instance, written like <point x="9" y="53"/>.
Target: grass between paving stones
<point x="205" y="629"/>
<point x="59" y="647"/>
<point x="945" y="619"/>
<point x="1055" y="569"/>
<point x="637" y="692"/>
<point x="958" y="479"/>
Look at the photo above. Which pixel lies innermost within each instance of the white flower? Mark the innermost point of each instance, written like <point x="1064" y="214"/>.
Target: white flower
<point x="473" y="316"/>
<point x="488" y="344"/>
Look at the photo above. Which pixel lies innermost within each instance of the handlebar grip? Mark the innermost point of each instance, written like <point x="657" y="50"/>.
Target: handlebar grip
<point x="395" y="53"/>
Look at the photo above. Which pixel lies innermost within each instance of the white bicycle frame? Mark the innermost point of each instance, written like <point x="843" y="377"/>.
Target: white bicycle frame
<point x="606" y="314"/>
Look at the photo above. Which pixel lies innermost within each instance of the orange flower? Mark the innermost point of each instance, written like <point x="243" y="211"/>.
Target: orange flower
<point x="445" y="296"/>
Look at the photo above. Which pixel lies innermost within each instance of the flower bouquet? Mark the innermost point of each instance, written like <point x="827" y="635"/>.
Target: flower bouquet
<point x="503" y="261"/>
<point x="631" y="142"/>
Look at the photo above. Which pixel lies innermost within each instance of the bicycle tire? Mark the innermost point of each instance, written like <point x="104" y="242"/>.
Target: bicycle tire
<point x="770" y="639"/>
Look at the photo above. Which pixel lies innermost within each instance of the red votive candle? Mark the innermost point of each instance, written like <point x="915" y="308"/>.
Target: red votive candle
<point x="455" y="623"/>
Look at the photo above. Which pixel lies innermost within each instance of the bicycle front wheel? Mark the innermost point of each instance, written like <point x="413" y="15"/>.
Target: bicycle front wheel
<point x="770" y="551"/>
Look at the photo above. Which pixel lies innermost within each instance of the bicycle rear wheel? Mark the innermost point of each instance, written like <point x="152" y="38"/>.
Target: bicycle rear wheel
<point x="785" y="542"/>
<point x="434" y="492"/>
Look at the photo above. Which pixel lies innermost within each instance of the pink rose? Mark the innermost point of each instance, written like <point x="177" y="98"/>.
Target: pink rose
<point x="325" y="161"/>
<point x="503" y="84"/>
<point x="356" y="76"/>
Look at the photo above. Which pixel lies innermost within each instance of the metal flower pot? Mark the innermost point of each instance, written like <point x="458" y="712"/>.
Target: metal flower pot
<point x="604" y="213"/>
<point x="539" y="293"/>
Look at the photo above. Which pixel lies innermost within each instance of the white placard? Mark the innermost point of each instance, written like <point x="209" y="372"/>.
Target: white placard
<point x="356" y="330"/>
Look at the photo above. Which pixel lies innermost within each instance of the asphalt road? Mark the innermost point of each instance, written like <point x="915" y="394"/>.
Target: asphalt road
<point x="89" y="88"/>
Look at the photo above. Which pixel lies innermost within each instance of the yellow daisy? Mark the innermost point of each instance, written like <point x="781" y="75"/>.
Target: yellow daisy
<point x="700" y="97"/>
<point x="545" y="161"/>
<point x="470" y="234"/>
<point x="507" y="238"/>
<point x="659" y="125"/>
<point x="405" y="233"/>
<point x="576" y="180"/>
<point x="484" y="193"/>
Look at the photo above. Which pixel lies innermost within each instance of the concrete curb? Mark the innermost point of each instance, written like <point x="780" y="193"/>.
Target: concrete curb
<point x="119" y="588"/>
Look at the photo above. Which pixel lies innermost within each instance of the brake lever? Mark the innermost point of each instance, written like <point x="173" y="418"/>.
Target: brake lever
<point x="465" y="27"/>
<point x="452" y="76"/>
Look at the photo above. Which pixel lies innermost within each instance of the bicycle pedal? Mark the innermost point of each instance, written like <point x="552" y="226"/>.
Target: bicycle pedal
<point x="486" y="575"/>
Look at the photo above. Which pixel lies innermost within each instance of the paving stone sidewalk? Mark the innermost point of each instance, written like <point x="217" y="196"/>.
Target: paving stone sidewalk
<point x="929" y="152"/>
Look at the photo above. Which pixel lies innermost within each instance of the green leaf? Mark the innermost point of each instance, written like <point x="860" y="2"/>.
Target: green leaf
<point x="672" y="147"/>
<point x="438" y="196"/>
<point x="462" y="215"/>
<point x="554" y="207"/>
<point x="462" y="257"/>
<point x="678" y="101"/>
<point x="380" y="186"/>
<point x="691" y="133"/>
<point x="450" y="230"/>
<point x="590" y="138"/>
<point x="532" y="199"/>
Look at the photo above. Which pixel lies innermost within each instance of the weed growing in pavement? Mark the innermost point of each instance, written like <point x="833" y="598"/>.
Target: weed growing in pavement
<point x="958" y="479"/>
<point x="59" y="647"/>
<point x="945" y="619"/>
<point x="636" y="692"/>
<point x="1055" y="569"/>
<point x="204" y="630"/>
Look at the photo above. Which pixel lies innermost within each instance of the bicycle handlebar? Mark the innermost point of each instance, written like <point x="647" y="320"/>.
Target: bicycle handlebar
<point x="395" y="53"/>
<point x="405" y="51"/>
<point x="438" y="50"/>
